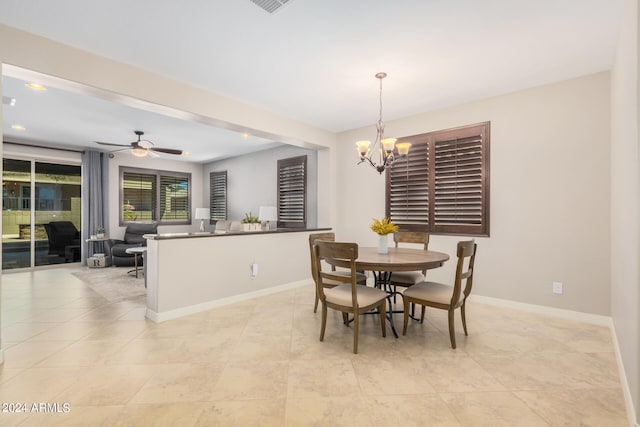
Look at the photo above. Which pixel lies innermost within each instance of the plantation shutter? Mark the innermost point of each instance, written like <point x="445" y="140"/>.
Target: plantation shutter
<point x="138" y="197"/>
<point x="174" y="198"/>
<point x="408" y="187"/>
<point x="218" y="195"/>
<point x="292" y="192"/>
<point x="443" y="184"/>
<point x="458" y="199"/>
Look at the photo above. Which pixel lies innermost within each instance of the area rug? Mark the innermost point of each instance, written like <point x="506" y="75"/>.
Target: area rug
<point x="113" y="283"/>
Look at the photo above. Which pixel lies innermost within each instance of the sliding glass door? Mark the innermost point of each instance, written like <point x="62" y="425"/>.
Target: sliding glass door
<point x="40" y="213"/>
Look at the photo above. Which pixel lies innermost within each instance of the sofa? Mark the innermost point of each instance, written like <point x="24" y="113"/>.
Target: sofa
<point x="132" y="238"/>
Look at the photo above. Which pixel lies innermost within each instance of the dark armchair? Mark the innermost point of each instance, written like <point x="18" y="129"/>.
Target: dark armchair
<point x="132" y="238"/>
<point x="64" y="240"/>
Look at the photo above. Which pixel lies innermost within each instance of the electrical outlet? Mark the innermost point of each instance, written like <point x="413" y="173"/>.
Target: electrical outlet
<point x="557" y="287"/>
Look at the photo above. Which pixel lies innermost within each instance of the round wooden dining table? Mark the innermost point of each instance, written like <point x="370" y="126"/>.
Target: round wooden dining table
<point x="397" y="259"/>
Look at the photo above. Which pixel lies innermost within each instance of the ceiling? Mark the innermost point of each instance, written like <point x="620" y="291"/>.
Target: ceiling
<point x="311" y="61"/>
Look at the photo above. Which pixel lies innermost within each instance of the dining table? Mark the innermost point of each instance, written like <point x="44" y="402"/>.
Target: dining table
<point x="383" y="265"/>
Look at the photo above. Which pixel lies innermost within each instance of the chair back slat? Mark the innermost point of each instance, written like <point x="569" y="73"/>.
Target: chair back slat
<point x="412" y="237"/>
<point x="312" y="239"/>
<point x="466" y="252"/>
<point x="341" y="251"/>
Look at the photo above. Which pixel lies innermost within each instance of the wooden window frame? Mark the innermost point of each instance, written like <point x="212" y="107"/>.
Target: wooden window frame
<point x="157" y="176"/>
<point x="292" y="219"/>
<point x="415" y="186"/>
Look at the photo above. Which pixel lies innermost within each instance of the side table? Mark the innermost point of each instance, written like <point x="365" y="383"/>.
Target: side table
<point x="138" y="250"/>
<point x="96" y="242"/>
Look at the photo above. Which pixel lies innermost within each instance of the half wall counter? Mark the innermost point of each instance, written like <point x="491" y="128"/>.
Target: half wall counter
<point x="187" y="273"/>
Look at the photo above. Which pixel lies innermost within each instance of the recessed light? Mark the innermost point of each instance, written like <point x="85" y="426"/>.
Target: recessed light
<point x="246" y="135"/>
<point x="18" y="127"/>
<point x="35" y="86"/>
<point x="186" y="153"/>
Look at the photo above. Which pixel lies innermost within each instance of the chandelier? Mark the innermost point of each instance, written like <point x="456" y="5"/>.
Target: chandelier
<point x="385" y="147"/>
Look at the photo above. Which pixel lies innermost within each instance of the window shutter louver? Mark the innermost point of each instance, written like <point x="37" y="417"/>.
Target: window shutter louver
<point x="292" y="192"/>
<point x="458" y="182"/>
<point x="151" y="195"/>
<point x="443" y="184"/>
<point x="174" y="198"/>
<point x="408" y="188"/>
<point x="218" y="196"/>
<point x="139" y="193"/>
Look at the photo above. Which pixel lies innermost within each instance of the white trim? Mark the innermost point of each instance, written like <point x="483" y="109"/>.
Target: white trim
<point x="193" y="309"/>
<point x="594" y="319"/>
<point x="578" y="316"/>
<point x="626" y="391"/>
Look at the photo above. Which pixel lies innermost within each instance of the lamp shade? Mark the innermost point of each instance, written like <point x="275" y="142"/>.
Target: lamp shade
<point x="268" y="213"/>
<point x="202" y="213"/>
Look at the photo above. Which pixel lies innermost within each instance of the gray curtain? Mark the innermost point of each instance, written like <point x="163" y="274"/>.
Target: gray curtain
<point x="94" y="195"/>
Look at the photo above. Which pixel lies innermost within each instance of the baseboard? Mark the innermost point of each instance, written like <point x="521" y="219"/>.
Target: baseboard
<point x="579" y="316"/>
<point x="626" y="391"/>
<point x="593" y="319"/>
<point x="198" y="308"/>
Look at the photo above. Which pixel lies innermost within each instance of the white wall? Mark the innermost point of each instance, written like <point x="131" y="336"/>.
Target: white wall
<point x="549" y="193"/>
<point x="625" y="212"/>
<point x="252" y="181"/>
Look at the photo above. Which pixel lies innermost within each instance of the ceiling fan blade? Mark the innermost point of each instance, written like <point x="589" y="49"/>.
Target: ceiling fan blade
<point x="111" y="144"/>
<point x="166" y="150"/>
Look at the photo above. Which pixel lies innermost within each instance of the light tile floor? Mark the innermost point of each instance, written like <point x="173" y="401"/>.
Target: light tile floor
<point x="260" y="363"/>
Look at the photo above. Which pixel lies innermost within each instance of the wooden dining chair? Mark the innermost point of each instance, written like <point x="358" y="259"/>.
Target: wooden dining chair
<point x="443" y="296"/>
<point x="361" y="278"/>
<point x="347" y="297"/>
<point x="406" y="279"/>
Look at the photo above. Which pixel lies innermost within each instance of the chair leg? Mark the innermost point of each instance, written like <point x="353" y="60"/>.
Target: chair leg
<point x="395" y="292"/>
<point x="405" y="321"/>
<point x="464" y="319"/>
<point x="324" y="321"/>
<point x="356" y="317"/>
<point x="452" y="331"/>
<point x="315" y="307"/>
<point x="382" y="310"/>
<point x="345" y="318"/>
<point x="424" y="308"/>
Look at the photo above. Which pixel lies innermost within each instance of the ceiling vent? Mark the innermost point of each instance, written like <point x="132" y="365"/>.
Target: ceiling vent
<point x="271" y="6"/>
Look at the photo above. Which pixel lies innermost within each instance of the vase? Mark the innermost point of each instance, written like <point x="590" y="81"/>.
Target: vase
<point x="383" y="244"/>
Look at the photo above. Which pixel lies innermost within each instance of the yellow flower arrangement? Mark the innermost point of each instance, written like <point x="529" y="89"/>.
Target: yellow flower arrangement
<point x="384" y="226"/>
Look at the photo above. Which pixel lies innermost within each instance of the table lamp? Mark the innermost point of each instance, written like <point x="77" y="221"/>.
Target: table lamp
<point x="268" y="214"/>
<point x="202" y="214"/>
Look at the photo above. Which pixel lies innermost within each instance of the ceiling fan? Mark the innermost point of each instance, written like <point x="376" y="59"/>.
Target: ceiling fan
<point x="142" y="147"/>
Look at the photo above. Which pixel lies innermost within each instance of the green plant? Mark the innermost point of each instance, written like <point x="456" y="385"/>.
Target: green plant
<point x="129" y="212"/>
<point x="250" y="219"/>
<point x="100" y="230"/>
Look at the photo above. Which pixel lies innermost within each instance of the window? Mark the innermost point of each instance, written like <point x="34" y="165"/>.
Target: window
<point x="218" y="195"/>
<point x="292" y="192"/>
<point x="150" y="195"/>
<point x="443" y="184"/>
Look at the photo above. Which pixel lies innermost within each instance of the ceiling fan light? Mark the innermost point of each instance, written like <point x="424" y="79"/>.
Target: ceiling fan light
<point x="139" y="152"/>
<point x="145" y="144"/>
